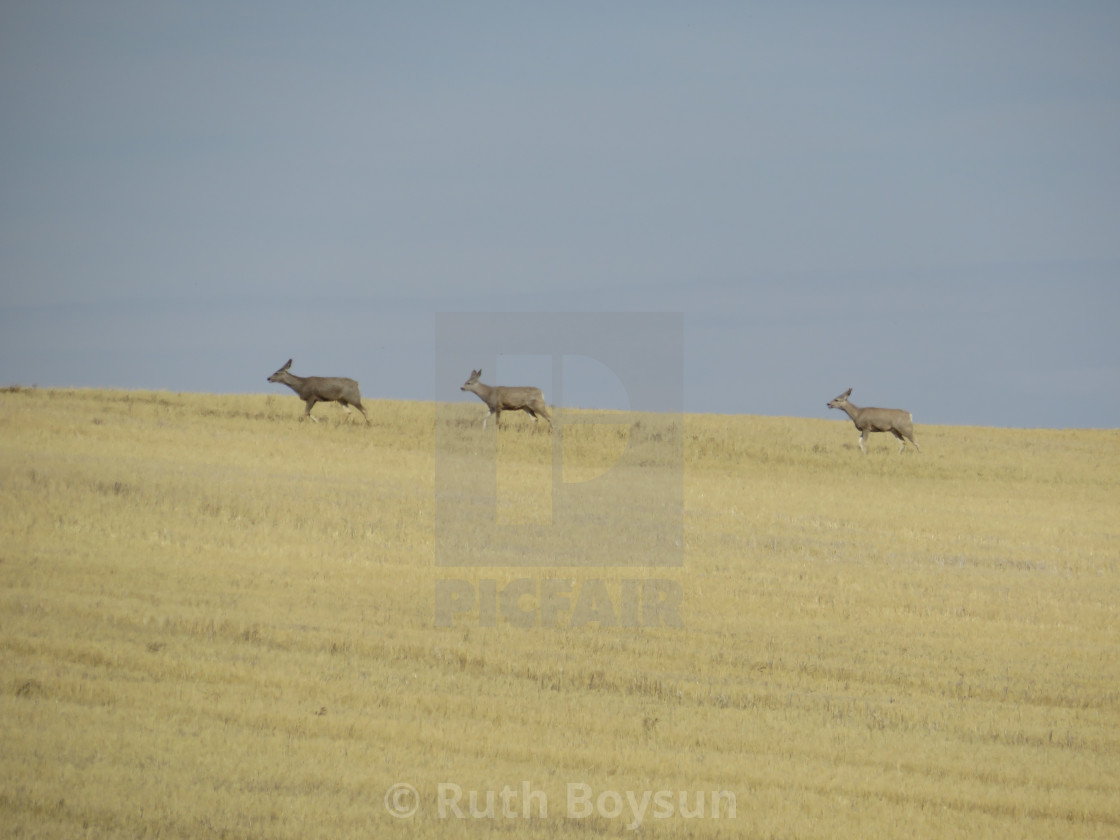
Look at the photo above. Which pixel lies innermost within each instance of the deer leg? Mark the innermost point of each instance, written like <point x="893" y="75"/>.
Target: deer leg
<point x="862" y="441"/>
<point x="307" y="410"/>
<point x="903" y="437"/>
<point x="359" y="407"/>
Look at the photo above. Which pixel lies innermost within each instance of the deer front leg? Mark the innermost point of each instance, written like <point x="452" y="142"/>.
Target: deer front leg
<point x="862" y="441"/>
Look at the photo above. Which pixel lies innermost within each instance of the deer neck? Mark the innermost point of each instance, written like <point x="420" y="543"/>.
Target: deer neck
<point x="483" y="392"/>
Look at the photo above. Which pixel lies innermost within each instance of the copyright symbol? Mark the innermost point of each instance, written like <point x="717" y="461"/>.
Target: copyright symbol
<point x="402" y="800"/>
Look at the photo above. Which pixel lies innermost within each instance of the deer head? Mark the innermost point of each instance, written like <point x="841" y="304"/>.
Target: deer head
<point x="466" y="386"/>
<point x="841" y="400"/>
<point x="279" y="375"/>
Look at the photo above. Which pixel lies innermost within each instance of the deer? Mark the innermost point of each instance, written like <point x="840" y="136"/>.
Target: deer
<point x="894" y="420"/>
<point x="313" y="389"/>
<point x="499" y="398"/>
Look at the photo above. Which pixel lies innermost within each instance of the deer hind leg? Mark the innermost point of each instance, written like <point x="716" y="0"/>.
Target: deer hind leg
<point x="903" y="437"/>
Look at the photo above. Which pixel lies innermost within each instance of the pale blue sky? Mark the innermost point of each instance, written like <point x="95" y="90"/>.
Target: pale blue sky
<point x="920" y="201"/>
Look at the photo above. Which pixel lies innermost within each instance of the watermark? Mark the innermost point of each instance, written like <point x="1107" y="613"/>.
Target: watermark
<point x="528" y="801"/>
<point x="611" y="486"/>
<point x="558" y="602"/>
<point x="402" y="800"/>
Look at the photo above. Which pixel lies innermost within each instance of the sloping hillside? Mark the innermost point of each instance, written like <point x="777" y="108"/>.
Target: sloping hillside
<point x="220" y="620"/>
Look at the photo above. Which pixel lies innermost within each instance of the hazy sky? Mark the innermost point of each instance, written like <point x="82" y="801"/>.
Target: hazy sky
<point x="920" y="201"/>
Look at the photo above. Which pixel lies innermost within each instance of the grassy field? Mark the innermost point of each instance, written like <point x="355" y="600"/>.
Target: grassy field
<point x="217" y="620"/>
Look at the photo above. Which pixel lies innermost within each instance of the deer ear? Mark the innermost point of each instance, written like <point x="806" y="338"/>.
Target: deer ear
<point x="288" y="365"/>
<point x="848" y="393"/>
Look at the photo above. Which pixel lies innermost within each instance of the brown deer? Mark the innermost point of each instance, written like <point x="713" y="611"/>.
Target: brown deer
<point x="894" y="420"/>
<point x="499" y="398"/>
<point x="313" y="389"/>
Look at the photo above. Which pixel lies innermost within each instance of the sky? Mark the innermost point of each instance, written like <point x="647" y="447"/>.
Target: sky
<point x="920" y="201"/>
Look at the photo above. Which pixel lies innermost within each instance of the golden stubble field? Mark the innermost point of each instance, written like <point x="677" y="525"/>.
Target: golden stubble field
<point x="217" y="620"/>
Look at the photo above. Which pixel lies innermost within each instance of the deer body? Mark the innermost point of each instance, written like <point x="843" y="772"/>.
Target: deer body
<point x="499" y="398"/>
<point x="313" y="389"/>
<point x="894" y="420"/>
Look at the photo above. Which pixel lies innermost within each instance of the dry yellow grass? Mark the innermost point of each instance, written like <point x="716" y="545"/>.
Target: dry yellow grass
<point x="217" y="620"/>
